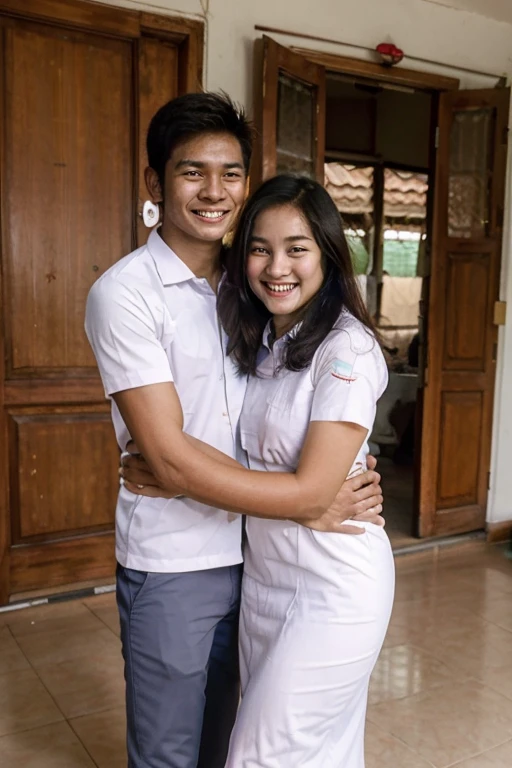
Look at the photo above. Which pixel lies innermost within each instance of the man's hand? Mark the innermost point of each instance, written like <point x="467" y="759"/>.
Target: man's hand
<point x="359" y="499"/>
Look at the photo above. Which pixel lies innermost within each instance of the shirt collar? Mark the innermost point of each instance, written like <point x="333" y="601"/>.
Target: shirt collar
<point x="169" y="266"/>
<point x="268" y="333"/>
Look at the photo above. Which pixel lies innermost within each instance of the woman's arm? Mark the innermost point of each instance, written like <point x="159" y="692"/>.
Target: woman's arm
<point x="154" y="419"/>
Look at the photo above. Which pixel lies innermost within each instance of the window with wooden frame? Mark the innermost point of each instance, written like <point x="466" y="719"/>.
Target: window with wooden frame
<point x="289" y="113"/>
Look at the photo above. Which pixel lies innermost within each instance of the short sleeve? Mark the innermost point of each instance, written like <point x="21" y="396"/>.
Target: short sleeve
<point x="125" y="333"/>
<point x="349" y="376"/>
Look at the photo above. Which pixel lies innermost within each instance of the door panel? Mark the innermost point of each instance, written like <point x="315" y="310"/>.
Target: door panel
<point x="464" y="284"/>
<point x="61" y="457"/>
<point x="461" y="416"/>
<point x="467" y="285"/>
<point x="75" y="103"/>
<point x="289" y="110"/>
<point x="68" y="185"/>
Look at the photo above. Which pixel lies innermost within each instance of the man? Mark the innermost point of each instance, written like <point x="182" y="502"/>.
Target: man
<point x="151" y="320"/>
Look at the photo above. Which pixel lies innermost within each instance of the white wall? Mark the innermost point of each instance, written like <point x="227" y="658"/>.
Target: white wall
<point x="427" y="29"/>
<point x="421" y="27"/>
<point x="494" y="9"/>
<point x="500" y="497"/>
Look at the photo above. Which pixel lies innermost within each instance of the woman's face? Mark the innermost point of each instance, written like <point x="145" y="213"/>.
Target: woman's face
<point x="284" y="265"/>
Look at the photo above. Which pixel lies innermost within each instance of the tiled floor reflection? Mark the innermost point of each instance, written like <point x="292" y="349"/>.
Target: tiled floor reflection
<point x="441" y="694"/>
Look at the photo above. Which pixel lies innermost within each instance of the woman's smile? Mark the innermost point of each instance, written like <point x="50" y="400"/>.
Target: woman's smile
<point x="280" y="290"/>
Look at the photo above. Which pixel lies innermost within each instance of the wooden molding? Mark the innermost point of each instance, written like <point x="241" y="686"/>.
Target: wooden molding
<point x="77" y="13"/>
<point x="113" y="20"/>
<point x="5" y="517"/>
<point x="63" y="562"/>
<point x="41" y="391"/>
<point x="498" y="532"/>
<point x="188" y="36"/>
<point x="409" y="78"/>
<point x="177" y="28"/>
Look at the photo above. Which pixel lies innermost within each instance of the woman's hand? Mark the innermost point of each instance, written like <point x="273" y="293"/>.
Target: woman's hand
<point x="138" y="478"/>
<point x="359" y="499"/>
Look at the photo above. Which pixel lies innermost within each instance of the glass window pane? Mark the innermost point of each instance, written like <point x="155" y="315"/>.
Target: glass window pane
<point x="470" y="173"/>
<point x="287" y="162"/>
<point x="351" y="188"/>
<point x="404" y="239"/>
<point x="405" y="214"/>
<point x="295" y="127"/>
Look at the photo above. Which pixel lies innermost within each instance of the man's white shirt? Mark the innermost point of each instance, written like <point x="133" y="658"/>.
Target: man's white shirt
<point x="150" y="320"/>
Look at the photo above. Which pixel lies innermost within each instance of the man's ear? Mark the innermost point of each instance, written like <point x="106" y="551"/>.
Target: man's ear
<point x="153" y="185"/>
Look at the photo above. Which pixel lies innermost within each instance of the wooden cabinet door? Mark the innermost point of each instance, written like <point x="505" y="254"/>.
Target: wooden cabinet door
<point x="289" y="109"/>
<point x="76" y="100"/>
<point x="464" y="285"/>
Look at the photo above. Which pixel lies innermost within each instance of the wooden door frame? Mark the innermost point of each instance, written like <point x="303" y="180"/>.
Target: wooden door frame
<point x="434" y="84"/>
<point x="270" y="57"/>
<point x="115" y="22"/>
<point x="407" y="78"/>
<point x="5" y="517"/>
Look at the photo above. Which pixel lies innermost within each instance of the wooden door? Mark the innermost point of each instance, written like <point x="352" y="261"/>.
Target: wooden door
<point x="289" y="109"/>
<point x="80" y="82"/>
<point x="464" y="285"/>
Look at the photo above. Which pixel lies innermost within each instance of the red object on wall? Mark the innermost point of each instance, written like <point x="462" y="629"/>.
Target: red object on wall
<point x="389" y="54"/>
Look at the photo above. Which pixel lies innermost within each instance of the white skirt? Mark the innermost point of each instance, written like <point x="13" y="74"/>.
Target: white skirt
<point x="315" y="610"/>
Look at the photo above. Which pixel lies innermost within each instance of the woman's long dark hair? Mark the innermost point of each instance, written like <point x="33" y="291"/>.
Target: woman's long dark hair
<point x="244" y="316"/>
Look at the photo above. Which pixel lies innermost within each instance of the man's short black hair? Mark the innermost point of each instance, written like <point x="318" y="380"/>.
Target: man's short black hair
<point x="190" y="115"/>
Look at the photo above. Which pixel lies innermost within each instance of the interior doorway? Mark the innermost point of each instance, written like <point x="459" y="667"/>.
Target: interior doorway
<point x="378" y="169"/>
<point x="438" y="470"/>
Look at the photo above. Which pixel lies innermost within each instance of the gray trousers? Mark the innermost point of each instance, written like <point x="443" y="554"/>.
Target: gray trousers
<point x="179" y="634"/>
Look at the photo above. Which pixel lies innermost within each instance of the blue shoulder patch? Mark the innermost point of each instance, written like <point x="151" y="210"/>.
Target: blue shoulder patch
<point x="340" y="369"/>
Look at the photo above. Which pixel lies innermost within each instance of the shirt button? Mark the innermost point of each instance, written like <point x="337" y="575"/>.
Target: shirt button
<point x="286" y="533"/>
<point x="224" y="413"/>
<point x="221" y="377"/>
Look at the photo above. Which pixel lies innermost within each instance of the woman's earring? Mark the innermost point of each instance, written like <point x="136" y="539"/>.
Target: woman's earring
<point x="150" y="213"/>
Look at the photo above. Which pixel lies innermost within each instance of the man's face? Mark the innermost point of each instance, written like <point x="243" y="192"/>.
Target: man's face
<point x="205" y="184"/>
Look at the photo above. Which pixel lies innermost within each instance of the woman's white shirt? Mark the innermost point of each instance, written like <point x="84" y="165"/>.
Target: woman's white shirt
<point x="347" y="376"/>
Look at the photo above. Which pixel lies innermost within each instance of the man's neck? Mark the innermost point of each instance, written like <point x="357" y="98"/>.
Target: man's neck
<point x="203" y="258"/>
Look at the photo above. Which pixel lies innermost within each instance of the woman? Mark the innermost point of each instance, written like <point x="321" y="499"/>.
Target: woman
<point x="315" y="606"/>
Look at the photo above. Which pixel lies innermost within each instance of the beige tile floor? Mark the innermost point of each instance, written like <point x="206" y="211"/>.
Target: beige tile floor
<point x="441" y="694"/>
